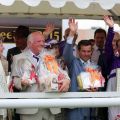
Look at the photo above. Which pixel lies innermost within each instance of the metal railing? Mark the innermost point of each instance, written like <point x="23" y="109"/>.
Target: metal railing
<point x="60" y="100"/>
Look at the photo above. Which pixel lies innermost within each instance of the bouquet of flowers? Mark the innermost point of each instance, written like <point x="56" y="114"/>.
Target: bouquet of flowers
<point x="55" y="73"/>
<point x="27" y="71"/>
<point x="91" y="77"/>
<point x="46" y="74"/>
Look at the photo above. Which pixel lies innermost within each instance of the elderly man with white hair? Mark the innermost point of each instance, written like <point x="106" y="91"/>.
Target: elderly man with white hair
<point x="34" y="60"/>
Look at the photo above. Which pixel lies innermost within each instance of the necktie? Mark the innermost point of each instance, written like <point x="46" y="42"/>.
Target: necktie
<point x="100" y="56"/>
<point x="37" y="58"/>
<point x="101" y="50"/>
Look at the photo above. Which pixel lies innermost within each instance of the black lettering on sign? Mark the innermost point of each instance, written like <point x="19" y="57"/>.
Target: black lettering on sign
<point x="56" y="34"/>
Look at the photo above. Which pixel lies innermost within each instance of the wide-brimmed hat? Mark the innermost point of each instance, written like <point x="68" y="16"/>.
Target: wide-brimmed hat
<point x="51" y="43"/>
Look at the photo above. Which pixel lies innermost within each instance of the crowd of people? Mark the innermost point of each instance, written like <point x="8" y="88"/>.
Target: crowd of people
<point x="35" y="61"/>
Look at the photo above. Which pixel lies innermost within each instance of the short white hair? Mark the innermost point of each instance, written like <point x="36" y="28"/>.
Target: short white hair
<point x="30" y="37"/>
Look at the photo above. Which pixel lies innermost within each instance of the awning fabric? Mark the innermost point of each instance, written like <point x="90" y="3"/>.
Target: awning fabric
<point x="105" y="4"/>
<point x="60" y="8"/>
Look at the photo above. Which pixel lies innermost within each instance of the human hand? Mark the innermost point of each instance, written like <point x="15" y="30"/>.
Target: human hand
<point x="25" y="82"/>
<point x="64" y="85"/>
<point x="49" y="28"/>
<point x="108" y="20"/>
<point x="73" y="26"/>
<point x="91" y="89"/>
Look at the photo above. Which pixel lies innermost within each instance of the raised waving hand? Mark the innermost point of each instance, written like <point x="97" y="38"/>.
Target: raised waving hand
<point x="73" y="26"/>
<point x="48" y="29"/>
<point x="108" y="20"/>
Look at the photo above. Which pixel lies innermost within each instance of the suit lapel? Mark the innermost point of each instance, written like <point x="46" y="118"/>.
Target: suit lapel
<point x="81" y="64"/>
<point x="16" y="51"/>
<point x="30" y="57"/>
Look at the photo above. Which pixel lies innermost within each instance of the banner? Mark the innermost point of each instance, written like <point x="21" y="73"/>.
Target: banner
<point x="7" y="33"/>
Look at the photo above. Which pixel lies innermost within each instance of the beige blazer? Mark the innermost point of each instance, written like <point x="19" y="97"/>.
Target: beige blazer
<point x="16" y="73"/>
<point x="3" y="81"/>
<point x="4" y="64"/>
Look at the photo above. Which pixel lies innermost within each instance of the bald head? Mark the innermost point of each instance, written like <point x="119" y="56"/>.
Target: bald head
<point x="36" y="42"/>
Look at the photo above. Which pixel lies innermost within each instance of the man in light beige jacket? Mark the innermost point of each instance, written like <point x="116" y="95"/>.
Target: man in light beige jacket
<point x="32" y="56"/>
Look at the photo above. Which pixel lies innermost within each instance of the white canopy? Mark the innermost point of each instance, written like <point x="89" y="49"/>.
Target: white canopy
<point x="58" y="4"/>
<point x="60" y="8"/>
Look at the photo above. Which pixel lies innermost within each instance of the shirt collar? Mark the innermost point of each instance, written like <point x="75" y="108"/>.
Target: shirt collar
<point x="85" y="62"/>
<point x="96" y="48"/>
<point x="34" y="54"/>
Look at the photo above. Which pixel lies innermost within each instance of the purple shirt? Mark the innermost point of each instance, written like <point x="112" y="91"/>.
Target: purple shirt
<point x="112" y="60"/>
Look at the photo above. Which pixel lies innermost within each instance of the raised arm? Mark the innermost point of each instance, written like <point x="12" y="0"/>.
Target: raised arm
<point x="68" y="50"/>
<point x="49" y="29"/>
<point x="108" y="45"/>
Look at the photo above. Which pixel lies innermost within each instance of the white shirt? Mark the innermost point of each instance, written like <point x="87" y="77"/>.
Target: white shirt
<point x="85" y="62"/>
<point x="95" y="54"/>
<point x="34" y="59"/>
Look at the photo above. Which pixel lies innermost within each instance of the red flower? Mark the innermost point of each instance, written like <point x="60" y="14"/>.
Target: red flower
<point x="33" y="74"/>
<point x="11" y="86"/>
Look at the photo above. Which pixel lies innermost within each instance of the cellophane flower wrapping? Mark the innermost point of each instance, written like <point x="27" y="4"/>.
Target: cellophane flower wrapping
<point x="27" y="71"/>
<point x="47" y="74"/>
<point x="54" y="74"/>
<point x="91" y="77"/>
<point x="46" y="80"/>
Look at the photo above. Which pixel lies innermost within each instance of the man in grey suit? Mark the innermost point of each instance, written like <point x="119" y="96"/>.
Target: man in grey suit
<point x="32" y="57"/>
<point x="76" y="66"/>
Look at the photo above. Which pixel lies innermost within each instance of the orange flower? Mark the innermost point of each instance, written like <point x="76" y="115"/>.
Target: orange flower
<point x="51" y="63"/>
<point x="95" y="75"/>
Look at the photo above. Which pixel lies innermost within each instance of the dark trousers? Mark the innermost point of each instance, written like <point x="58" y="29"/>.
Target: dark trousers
<point x="103" y="113"/>
<point x="16" y="116"/>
